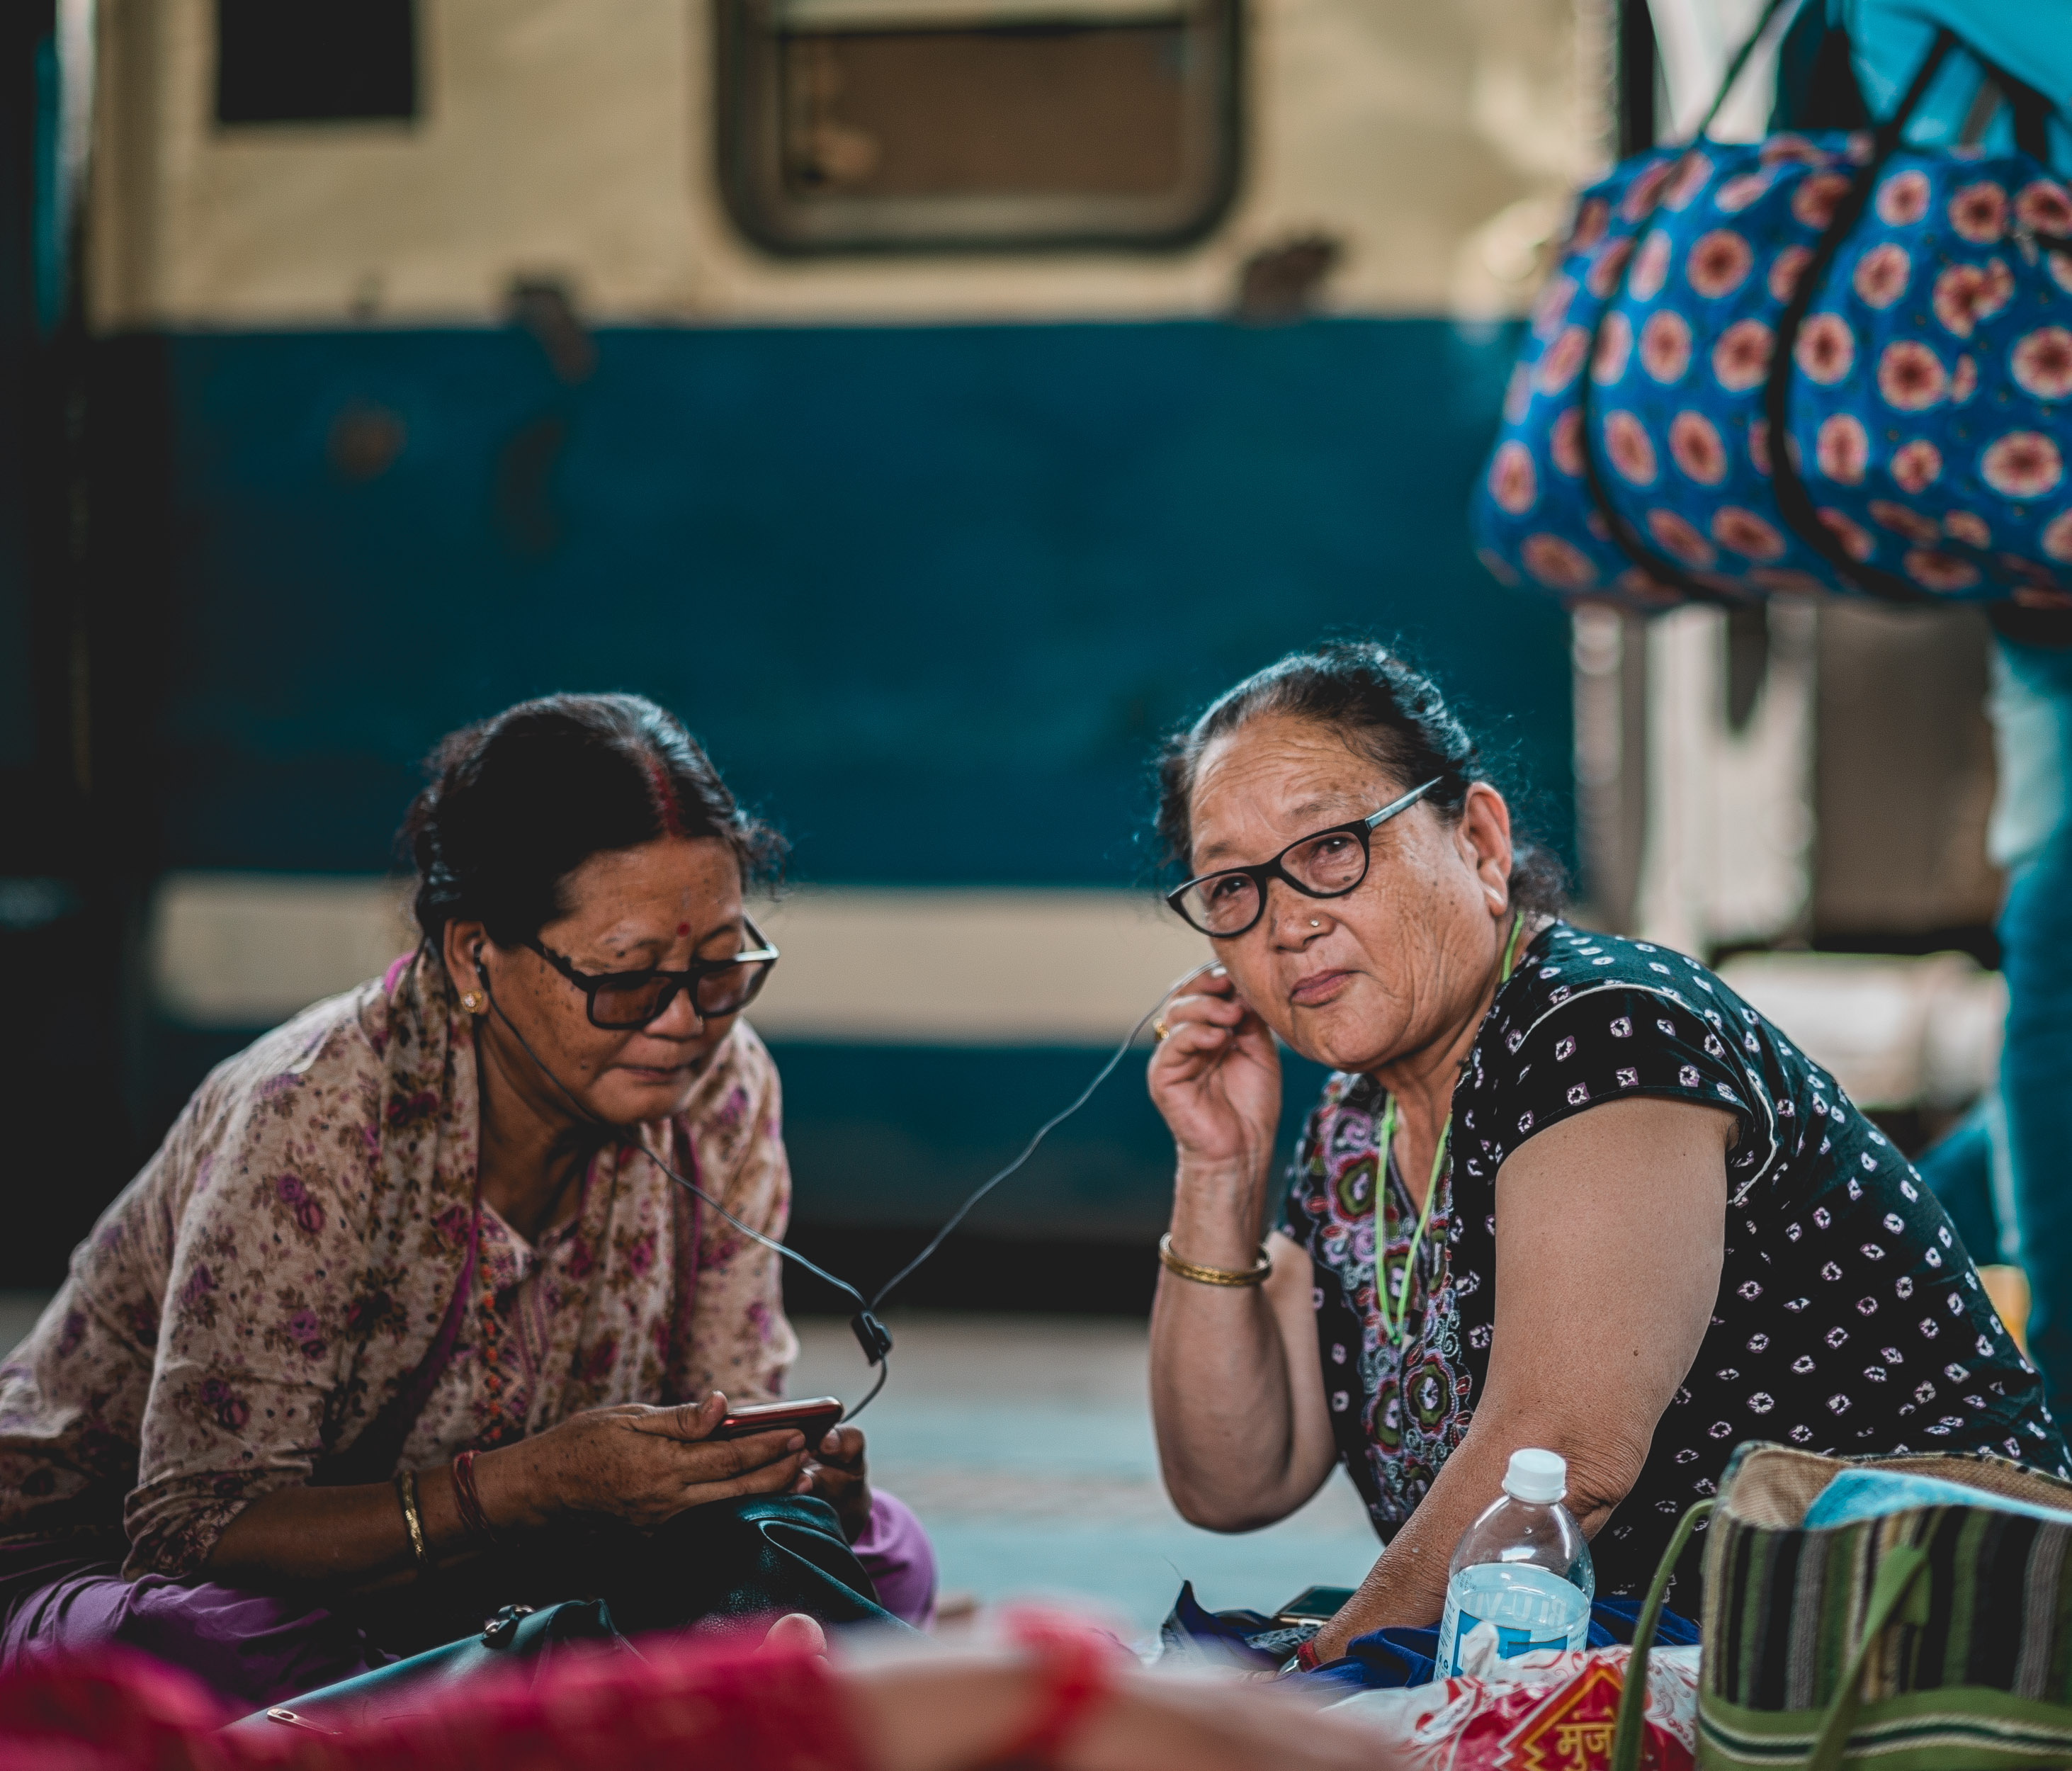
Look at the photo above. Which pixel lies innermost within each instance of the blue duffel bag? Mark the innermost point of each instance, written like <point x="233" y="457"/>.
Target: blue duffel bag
<point x="1902" y="319"/>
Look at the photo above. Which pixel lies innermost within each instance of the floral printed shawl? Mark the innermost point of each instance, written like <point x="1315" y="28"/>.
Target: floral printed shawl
<point x="282" y="1266"/>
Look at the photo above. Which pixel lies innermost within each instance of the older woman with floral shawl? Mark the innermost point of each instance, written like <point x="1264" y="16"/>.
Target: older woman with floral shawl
<point x="403" y="1293"/>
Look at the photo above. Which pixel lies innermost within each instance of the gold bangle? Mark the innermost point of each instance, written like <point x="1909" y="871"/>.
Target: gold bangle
<point x="406" y="1494"/>
<point x="1213" y="1275"/>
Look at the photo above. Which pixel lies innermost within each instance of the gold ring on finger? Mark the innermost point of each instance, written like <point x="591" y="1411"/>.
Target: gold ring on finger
<point x="1159" y="1030"/>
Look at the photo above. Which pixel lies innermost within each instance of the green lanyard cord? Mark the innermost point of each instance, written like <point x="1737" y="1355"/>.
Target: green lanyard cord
<point x="1397" y="1323"/>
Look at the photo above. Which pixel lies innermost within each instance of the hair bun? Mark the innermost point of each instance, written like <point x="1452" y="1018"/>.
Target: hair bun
<point x="1396" y="714"/>
<point x="516" y="802"/>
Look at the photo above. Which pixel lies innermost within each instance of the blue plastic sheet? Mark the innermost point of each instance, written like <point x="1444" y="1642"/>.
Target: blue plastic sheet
<point x="1386" y="1658"/>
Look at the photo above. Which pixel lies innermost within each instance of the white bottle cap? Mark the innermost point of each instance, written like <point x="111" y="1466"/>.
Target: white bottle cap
<point x="1541" y="1476"/>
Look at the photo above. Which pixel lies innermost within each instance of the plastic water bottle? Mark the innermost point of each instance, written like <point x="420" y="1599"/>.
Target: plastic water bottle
<point x="1523" y="1568"/>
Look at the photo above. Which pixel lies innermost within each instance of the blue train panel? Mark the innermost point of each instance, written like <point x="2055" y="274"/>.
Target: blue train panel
<point x="929" y="595"/>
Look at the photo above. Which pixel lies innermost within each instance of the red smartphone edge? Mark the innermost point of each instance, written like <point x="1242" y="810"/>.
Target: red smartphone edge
<point x="813" y="1417"/>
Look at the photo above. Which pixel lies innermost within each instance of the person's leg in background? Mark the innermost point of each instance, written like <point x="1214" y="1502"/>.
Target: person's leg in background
<point x="1968" y="1169"/>
<point x="2031" y="835"/>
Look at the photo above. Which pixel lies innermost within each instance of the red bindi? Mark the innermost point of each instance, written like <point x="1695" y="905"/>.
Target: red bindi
<point x="682" y="928"/>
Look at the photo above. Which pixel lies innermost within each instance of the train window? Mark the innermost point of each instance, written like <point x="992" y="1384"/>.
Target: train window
<point x="315" y="61"/>
<point x="876" y="124"/>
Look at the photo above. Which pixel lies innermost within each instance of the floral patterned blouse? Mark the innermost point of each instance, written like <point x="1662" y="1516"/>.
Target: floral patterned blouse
<point x="281" y="1268"/>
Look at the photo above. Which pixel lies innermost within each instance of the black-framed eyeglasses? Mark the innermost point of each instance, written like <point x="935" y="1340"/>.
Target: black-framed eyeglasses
<point x="1324" y="863"/>
<point x="625" y="1001"/>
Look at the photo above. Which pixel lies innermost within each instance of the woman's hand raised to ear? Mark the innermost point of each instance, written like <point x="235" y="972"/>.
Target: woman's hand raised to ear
<point x="1237" y="1395"/>
<point x="1216" y="1079"/>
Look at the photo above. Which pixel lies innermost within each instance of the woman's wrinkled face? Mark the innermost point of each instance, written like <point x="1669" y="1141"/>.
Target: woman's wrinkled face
<point x="1359" y="981"/>
<point x="663" y="904"/>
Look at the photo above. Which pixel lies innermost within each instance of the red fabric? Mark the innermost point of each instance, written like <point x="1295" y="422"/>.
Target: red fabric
<point x="682" y="1703"/>
<point x="1077" y="1667"/>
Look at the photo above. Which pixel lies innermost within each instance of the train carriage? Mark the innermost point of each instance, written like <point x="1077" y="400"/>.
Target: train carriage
<point x="930" y="400"/>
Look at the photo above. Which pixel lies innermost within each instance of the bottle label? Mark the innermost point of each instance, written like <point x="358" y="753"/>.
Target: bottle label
<point x="1510" y="1642"/>
<point x="1528" y="1608"/>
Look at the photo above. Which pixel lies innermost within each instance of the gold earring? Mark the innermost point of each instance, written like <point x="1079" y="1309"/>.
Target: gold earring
<point x="473" y="1002"/>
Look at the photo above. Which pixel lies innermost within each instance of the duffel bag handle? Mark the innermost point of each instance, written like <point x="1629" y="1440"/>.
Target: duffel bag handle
<point x="1740" y="61"/>
<point x="1624" y="536"/>
<point x="1795" y="501"/>
<point x="1632" y="1697"/>
<point x="1898" y="1581"/>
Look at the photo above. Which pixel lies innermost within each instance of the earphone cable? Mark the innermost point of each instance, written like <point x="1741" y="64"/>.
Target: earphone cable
<point x="1042" y="1132"/>
<point x="884" y="1362"/>
<point x="870" y="1334"/>
<point x="690" y="1187"/>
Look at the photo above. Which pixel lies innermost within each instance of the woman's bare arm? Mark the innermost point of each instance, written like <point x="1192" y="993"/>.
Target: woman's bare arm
<point x="1237" y="1393"/>
<point x="954" y="1711"/>
<point x="639" y="1464"/>
<point x="1610" y="1237"/>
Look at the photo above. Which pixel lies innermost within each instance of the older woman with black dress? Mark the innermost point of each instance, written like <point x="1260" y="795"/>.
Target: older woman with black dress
<point x="1563" y="1190"/>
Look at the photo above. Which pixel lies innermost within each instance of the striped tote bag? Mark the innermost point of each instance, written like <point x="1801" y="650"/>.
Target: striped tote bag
<point x="1939" y="1638"/>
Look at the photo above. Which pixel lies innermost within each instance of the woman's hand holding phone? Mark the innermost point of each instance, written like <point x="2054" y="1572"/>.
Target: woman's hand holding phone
<point x="836" y="1473"/>
<point x="636" y="1463"/>
<point x="834" y="1469"/>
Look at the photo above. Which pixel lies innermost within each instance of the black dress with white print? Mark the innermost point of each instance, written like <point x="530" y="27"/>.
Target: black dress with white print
<point x="1849" y="1318"/>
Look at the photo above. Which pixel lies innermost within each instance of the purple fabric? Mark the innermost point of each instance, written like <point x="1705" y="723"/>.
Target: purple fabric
<point x="896" y="1554"/>
<point x="252" y="1647"/>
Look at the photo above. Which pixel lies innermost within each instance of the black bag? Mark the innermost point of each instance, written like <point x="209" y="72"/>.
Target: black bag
<point x="752" y="1558"/>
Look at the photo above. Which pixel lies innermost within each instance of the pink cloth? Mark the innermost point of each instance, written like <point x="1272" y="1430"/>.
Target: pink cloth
<point x="677" y="1703"/>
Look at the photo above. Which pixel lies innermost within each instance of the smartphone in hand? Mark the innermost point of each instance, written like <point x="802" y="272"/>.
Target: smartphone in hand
<point x="813" y="1417"/>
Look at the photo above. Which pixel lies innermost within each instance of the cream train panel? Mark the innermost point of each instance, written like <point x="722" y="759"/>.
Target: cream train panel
<point x="920" y="967"/>
<point x="573" y="138"/>
<point x="1010" y="969"/>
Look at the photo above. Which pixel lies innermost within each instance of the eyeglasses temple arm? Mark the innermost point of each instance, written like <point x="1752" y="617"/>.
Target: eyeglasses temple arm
<point x="1403" y="804"/>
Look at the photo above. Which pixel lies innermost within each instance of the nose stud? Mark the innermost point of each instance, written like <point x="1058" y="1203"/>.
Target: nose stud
<point x="1314" y="923"/>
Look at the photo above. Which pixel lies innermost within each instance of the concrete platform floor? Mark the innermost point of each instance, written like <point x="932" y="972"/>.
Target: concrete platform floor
<point x="1025" y="1444"/>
